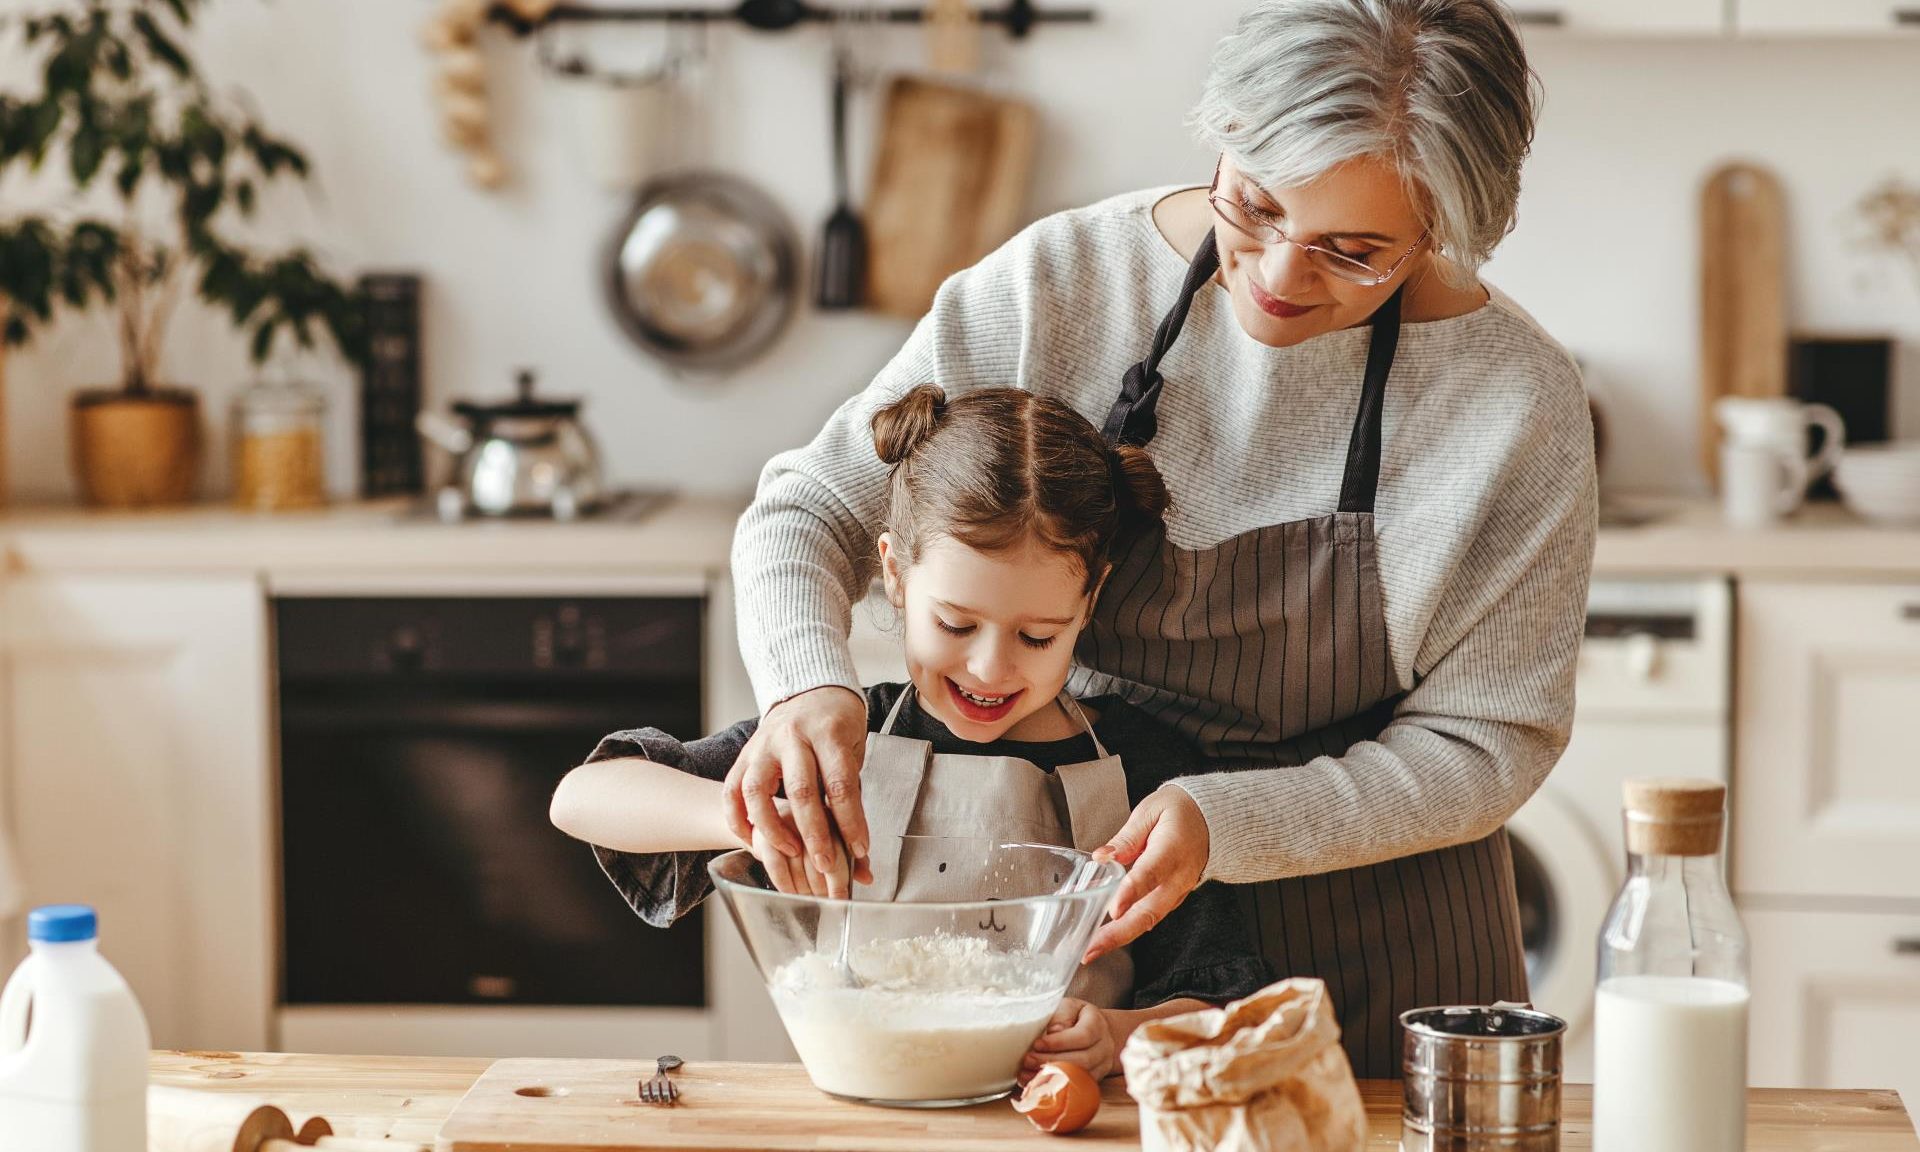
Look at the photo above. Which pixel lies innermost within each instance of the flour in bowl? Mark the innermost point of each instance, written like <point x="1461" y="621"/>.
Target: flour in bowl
<point x="939" y="1017"/>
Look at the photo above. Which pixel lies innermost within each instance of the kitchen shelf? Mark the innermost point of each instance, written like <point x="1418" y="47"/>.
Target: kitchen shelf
<point x="1018" y="16"/>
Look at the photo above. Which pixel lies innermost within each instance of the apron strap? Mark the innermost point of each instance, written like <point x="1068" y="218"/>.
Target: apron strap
<point x="1074" y="712"/>
<point x="1132" y="418"/>
<point x="893" y="713"/>
<point x="1362" y="477"/>
<point x="1096" y="790"/>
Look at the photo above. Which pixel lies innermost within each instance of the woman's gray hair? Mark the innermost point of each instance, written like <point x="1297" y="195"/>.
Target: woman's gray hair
<point x="1440" y="87"/>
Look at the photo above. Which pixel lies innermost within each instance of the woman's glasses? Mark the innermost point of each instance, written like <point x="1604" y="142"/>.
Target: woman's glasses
<point x="1263" y="227"/>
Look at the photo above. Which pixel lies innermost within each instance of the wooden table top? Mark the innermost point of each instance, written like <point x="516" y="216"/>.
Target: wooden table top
<point x="406" y="1099"/>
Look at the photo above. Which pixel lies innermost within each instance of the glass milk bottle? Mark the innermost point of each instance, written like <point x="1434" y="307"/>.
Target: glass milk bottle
<point x="1670" y="1014"/>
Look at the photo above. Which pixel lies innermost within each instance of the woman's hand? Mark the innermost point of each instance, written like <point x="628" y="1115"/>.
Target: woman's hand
<point x="813" y="745"/>
<point x="1164" y="845"/>
<point x="1077" y="1034"/>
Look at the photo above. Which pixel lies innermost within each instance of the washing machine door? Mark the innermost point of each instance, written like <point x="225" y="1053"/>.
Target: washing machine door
<point x="1565" y="879"/>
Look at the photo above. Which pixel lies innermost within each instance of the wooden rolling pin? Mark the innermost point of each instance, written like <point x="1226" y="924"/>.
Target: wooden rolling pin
<point x="183" y="1120"/>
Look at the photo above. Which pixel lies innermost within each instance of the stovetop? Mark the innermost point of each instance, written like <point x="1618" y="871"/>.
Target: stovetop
<point x="624" y="506"/>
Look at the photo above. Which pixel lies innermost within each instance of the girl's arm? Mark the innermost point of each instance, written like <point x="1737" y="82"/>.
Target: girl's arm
<point x="1091" y="1037"/>
<point x="632" y="804"/>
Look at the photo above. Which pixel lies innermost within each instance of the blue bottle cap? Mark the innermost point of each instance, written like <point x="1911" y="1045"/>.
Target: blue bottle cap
<point x="62" y="923"/>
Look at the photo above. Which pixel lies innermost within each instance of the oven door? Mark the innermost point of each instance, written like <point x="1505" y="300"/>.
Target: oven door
<point x="419" y="866"/>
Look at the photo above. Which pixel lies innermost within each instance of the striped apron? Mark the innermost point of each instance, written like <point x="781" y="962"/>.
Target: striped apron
<point x="1270" y="649"/>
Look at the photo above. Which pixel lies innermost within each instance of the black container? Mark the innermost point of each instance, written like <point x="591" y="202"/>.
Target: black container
<point x="1850" y="374"/>
<point x="390" y="457"/>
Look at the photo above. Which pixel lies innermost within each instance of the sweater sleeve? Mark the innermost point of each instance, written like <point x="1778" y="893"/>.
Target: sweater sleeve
<point x="803" y="552"/>
<point x="1492" y="703"/>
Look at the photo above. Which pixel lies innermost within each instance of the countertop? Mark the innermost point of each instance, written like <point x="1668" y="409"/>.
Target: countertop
<point x="691" y="535"/>
<point x="404" y="1100"/>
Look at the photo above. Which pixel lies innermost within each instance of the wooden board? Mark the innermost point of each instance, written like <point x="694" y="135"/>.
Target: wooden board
<point x="590" y="1107"/>
<point x="949" y="186"/>
<point x="1743" y="301"/>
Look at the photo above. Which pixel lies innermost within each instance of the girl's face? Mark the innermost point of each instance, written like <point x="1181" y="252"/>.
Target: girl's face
<point x="989" y="635"/>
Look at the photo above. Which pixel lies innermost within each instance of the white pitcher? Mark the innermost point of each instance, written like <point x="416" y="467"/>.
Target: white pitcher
<point x="1765" y="461"/>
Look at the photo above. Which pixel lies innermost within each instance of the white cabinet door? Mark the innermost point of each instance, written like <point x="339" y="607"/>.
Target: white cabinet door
<point x="138" y="759"/>
<point x="1826" y="786"/>
<point x="1826" y="17"/>
<point x="1836" y="1000"/>
<point x="1622" y="17"/>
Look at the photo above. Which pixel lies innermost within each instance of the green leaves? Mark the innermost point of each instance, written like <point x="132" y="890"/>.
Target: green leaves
<point x="40" y="265"/>
<point x="161" y="46"/>
<point x="121" y="98"/>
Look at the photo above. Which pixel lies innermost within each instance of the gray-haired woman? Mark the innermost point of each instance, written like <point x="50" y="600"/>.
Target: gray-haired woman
<point x="1368" y="597"/>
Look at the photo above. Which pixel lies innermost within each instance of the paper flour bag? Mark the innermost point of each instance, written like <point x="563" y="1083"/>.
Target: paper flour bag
<point x="1263" y="1074"/>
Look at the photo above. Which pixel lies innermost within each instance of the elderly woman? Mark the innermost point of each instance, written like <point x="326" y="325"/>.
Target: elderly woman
<point x="1367" y="600"/>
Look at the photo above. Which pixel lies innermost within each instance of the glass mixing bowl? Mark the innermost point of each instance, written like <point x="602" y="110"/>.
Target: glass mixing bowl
<point x="934" y="1003"/>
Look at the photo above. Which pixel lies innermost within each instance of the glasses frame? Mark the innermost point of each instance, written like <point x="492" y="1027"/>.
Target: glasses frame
<point x="1344" y="267"/>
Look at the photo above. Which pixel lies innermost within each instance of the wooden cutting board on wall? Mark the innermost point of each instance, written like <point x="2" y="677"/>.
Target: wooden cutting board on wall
<point x="1743" y="294"/>
<point x="949" y="186"/>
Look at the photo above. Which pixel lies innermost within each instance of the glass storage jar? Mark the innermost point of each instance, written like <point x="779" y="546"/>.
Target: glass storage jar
<point x="279" y="458"/>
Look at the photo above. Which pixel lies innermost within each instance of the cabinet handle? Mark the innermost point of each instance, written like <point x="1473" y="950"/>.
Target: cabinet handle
<point x="1911" y="612"/>
<point x="1555" y="18"/>
<point x="1907" y="17"/>
<point x="1906" y="946"/>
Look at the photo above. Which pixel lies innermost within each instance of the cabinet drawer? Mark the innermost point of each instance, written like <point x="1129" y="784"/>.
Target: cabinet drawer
<point x="1827" y="740"/>
<point x="1826" y="18"/>
<point x="1622" y="17"/>
<point x="1836" y="1000"/>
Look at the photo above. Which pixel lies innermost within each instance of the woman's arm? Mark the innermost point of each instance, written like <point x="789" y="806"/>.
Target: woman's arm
<point x="804" y="552"/>
<point x="634" y="805"/>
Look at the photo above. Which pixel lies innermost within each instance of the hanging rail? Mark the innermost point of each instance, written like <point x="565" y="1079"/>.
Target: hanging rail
<point x="1019" y="16"/>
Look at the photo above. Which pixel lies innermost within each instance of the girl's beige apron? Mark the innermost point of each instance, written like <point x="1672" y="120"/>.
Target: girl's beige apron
<point x="1270" y="649"/>
<point x="910" y="790"/>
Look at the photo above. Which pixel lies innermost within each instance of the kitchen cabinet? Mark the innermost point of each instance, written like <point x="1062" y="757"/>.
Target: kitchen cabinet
<point x="1623" y="17"/>
<point x="1826" y="17"/>
<point x="1836" y="999"/>
<point x="136" y="764"/>
<point x="1826" y="799"/>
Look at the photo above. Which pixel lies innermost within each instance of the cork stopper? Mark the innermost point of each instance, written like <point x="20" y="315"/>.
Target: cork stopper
<point x="1668" y="816"/>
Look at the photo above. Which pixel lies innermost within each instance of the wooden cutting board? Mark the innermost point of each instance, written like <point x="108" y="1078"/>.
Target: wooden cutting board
<point x="590" y="1105"/>
<point x="949" y="186"/>
<point x="1743" y="294"/>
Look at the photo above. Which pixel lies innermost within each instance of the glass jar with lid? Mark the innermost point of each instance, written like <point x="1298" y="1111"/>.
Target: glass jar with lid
<point x="279" y="457"/>
<point x="1670" y="1013"/>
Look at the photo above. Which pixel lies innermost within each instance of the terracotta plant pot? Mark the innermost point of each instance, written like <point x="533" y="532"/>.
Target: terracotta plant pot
<point x="137" y="450"/>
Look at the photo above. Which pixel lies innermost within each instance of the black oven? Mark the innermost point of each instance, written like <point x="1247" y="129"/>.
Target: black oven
<point x="420" y="742"/>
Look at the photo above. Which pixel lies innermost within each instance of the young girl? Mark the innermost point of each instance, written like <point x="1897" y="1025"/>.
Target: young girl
<point x="1004" y="508"/>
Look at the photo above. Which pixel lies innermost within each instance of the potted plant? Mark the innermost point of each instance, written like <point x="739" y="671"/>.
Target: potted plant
<point x="121" y="104"/>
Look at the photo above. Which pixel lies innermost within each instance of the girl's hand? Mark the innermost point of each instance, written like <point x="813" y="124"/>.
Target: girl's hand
<point x="1079" y="1034"/>
<point x="790" y="875"/>
<point x="813" y="744"/>
<point x="1164" y="845"/>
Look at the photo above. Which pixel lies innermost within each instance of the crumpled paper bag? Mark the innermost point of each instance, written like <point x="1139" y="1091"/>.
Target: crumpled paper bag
<point x="1263" y="1074"/>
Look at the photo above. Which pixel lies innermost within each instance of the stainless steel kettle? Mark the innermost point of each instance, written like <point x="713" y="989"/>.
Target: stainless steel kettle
<point x="525" y="456"/>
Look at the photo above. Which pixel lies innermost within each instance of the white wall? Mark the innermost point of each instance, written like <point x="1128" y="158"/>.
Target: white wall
<point x="1605" y="255"/>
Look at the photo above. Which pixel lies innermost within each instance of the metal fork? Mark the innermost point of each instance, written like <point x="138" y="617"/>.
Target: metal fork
<point x="660" y="1088"/>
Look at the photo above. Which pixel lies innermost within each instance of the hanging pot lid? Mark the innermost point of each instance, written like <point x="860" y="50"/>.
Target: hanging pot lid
<point x="524" y="406"/>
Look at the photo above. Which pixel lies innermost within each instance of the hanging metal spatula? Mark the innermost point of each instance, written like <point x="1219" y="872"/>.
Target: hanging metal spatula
<point x="842" y="269"/>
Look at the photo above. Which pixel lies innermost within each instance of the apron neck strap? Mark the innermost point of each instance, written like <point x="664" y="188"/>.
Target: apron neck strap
<point x="893" y="713"/>
<point x="1362" y="477"/>
<point x="1132" y="418"/>
<point x="1074" y="712"/>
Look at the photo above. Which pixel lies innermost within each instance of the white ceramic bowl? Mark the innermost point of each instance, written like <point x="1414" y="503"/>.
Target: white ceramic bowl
<point x="1881" y="482"/>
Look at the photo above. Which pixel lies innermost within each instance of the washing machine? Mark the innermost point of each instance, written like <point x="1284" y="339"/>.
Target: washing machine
<point x="1653" y="699"/>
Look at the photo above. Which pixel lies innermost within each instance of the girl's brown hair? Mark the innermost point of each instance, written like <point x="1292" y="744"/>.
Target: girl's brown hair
<point x="995" y="466"/>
